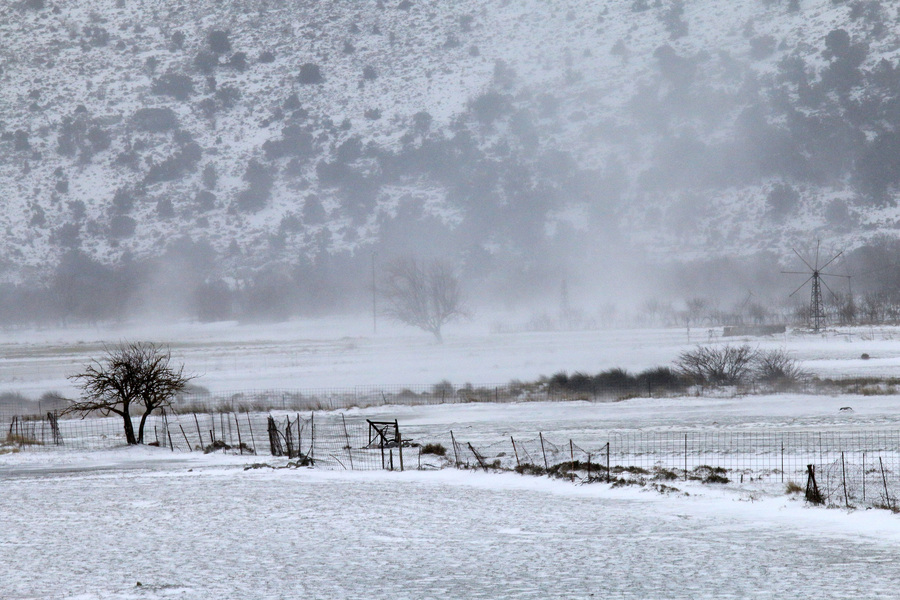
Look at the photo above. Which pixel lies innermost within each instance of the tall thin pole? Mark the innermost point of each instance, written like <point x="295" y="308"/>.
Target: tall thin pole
<point x="374" y="299"/>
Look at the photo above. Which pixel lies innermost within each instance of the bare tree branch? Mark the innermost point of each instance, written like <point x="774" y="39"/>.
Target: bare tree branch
<point x="426" y="296"/>
<point x="135" y="375"/>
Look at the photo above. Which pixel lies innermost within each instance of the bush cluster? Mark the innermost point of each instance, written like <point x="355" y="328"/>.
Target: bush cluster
<point x="735" y="365"/>
<point x="617" y="381"/>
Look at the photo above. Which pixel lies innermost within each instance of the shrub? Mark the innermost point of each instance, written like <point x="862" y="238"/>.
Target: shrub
<point x="121" y="226"/>
<point x="206" y="62"/>
<point x="238" y="61"/>
<point x="218" y="41"/>
<point x="436" y="449"/>
<point x="369" y="73"/>
<point x="165" y="209"/>
<point x="777" y="366"/>
<point x="310" y="74"/>
<point x="489" y="107"/>
<point x="176" y="85"/>
<point x="266" y="57"/>
<point x="154" y="120"/>
<point x="717" y="365"/>
<point x="205" y="200"/>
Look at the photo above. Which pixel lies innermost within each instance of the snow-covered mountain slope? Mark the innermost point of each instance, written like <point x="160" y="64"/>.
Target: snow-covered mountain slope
<point x="276" y="131"/>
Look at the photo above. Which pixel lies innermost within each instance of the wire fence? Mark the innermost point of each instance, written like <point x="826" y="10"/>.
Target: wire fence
<point x="850" y="468"/>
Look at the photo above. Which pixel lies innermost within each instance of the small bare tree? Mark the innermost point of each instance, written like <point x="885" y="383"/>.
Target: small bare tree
<point x="424" y="295"/>
<point x="718" y="365"/>
<point x="132" y="376"/>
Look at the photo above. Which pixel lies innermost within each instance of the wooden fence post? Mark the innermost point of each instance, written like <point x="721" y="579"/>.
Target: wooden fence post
<point x="544" y="452"/>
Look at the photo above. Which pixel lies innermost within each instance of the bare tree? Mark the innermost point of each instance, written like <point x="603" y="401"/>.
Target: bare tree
<point x="720" y="365"/>
<point x="424" y="295"/>
<point x="132" y="376"/>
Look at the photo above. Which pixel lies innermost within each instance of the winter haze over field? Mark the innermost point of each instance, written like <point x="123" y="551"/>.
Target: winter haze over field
<point x="253" y="160"/>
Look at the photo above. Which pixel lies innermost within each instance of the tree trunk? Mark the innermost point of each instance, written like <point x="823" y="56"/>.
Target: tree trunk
<point x="129" y="428"/>
<point x="141" y="428"/>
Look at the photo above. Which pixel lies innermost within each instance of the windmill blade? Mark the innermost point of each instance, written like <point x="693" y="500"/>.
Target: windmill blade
<point x="833" y="295"/>
<point x="832" y="260"/>
<point x="801" y="286"/>
<point x="835" y="275"/>
<point x="796" y="272"/>
<point x="818" y="242"/>
<point x="811" y="268"/>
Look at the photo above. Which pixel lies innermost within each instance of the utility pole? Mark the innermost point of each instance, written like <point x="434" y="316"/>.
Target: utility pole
<point x="374" y="299"/>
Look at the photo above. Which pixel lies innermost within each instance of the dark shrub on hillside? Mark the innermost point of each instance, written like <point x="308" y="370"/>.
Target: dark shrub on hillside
<point x="213" y="301"/>
<point x="489" y="107"/>
<point x="154" y="120"/>
<point x="782" y="200"/>
<point x="369" y="73"/>
<point x="313" y="211"/>
<point x="176" y="85"/>
<point x="122" y="226"/>
<point x="294" y="142"/>
<point x="123" y="201"/>
<point x="310" y="74"/>
<point x="206" y="62"/>
<point x="174" y="167"/>
<point x="238" y="61"/>
<point x="210" y="178"/>
<point x="266" y="57"/>
<point x="218" y="41"/>
<point x="205" y="200"/>
<point x="259" y="189"/>
<point x="21" y="143"/>
<point x="165" y="209"/>
<point x="67" y="235"/>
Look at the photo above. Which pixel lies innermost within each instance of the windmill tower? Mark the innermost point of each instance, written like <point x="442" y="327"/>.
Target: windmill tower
<point x="815" y="275"/>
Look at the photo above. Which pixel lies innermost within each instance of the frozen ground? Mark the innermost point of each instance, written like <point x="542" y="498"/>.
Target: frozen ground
<point x="208" y="529"/>
<point x="328" y="353"/>
<point x="90" y="525"/>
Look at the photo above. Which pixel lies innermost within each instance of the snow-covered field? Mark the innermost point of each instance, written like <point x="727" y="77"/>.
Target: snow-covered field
<point x="205" y="528"/>
<point x="93" y="524"/>
<point x="327" y="353"/>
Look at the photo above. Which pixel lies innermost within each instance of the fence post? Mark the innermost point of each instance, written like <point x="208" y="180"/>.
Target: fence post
<point x="685" y="457"/>
<point x="312" y="433"/>
<point x="844" y="480"/>
<point x="250" y="427"/>
<point x="572" y="457"/>
<point x="184" y="435"/>
<point x="199" y="435"/>
<point x="607" y="463"/>
<point x="782" y="460"/>
<point x="864" y="475"/>
<point x="399" y="443"/>
<point x="515" y="450"/>
<point x="455" y="453"/>
<point x="589" y="467"/>
<point x="887" y="497"/>
<point x="240" y="441"/>
<point x="544" y="452"/>
<point x="346" y="434"/>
